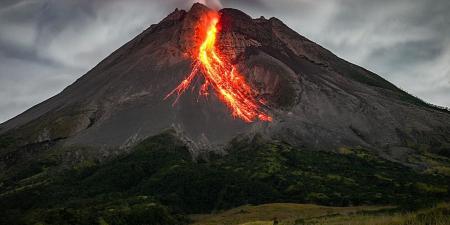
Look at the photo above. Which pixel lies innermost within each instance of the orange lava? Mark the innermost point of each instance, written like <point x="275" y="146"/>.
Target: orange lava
<point x="219" y="74"/>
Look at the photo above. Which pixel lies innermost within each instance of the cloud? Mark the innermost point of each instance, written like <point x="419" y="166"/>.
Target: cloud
<point x="405" y="41"/>
<point x="47" y="44"/>
<point x="214" y="4"/>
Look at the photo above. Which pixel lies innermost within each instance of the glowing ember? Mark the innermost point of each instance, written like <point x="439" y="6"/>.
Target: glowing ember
<point x="222" y="76"/>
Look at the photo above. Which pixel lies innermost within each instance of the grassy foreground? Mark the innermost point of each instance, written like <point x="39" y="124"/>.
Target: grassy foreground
<point x="301" y="214"/>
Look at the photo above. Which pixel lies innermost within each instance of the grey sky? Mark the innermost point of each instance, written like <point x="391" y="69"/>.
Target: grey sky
<point x="47" y="44"/>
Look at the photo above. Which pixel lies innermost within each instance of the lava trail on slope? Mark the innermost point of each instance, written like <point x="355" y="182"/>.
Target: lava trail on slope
<point x="229" y="85"/>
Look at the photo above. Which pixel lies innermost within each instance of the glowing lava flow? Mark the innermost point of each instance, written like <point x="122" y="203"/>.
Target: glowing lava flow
<point x="222" y="76"/>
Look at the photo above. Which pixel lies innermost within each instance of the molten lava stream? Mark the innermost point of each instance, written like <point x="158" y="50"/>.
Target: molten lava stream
<point x="230" y="86"/>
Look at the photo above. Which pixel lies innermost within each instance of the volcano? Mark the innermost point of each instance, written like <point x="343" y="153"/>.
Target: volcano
<point x="211" y="110"/>
<point x="305" y="95"/>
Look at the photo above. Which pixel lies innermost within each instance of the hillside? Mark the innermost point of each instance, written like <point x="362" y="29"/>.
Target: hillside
<point x="159" y="178"/>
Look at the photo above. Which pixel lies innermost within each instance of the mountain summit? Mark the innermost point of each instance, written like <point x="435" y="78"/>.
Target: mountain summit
<point x="316" y="99"/>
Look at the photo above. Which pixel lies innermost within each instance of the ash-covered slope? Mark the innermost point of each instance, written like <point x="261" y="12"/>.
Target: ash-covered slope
<point x="317" y="99"/>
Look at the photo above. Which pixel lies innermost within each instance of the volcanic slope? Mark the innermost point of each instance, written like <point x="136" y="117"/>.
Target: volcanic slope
<point x="316" y="100"/>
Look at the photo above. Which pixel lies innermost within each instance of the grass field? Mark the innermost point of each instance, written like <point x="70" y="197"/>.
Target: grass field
<point x="300" y="214"/>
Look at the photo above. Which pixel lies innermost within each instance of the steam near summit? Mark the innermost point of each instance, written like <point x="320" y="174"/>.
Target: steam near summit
<point x="213" y="4"/>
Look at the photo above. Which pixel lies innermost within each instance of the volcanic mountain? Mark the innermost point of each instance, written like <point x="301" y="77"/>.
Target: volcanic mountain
<point x="315" y="99"/>
<point x="207" y="111"/>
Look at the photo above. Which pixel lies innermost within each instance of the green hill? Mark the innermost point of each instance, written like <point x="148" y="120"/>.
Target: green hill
<point x="159" y="181"/>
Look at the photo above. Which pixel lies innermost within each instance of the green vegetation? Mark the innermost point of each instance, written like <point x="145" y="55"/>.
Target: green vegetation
<point x="297" y="214"/>
<point x="159" y="181"/>
<point x="356" y="177"/>
<point x="110" y="210"/>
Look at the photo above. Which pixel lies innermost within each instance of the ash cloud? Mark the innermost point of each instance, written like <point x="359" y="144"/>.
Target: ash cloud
<point x="214" y="4"/>
<point x="47" y="44"/>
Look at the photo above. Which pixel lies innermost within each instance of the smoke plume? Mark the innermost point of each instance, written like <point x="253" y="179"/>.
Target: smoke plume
<point x="214" y="4"/>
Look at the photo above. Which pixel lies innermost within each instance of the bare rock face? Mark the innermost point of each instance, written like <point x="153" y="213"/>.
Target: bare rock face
<point x="317" y="100"/>
<point x="234" y="44"/>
